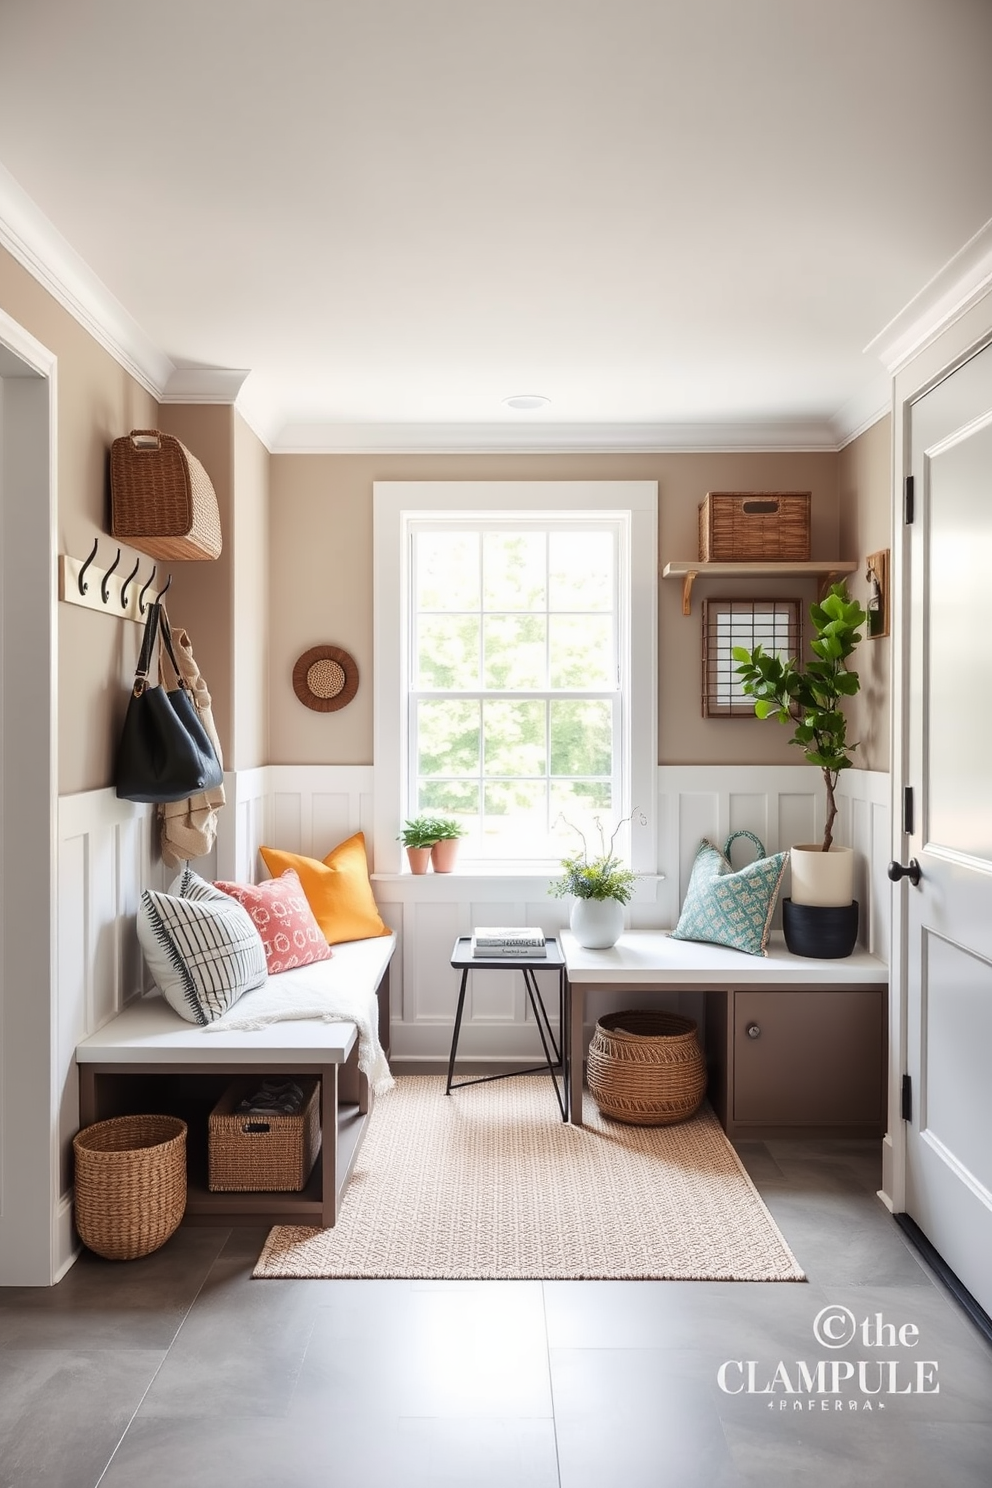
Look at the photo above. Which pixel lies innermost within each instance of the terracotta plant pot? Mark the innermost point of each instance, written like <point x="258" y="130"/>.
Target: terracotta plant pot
<point x="444" y="855"/>
<point x="420" y="859"/>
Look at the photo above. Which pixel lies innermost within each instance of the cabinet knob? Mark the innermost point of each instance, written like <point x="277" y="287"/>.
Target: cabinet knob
<point x="753" y="1030"/>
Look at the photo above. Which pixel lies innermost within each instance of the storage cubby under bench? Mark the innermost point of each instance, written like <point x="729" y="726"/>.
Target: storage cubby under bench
<point x="147" y="1059"/>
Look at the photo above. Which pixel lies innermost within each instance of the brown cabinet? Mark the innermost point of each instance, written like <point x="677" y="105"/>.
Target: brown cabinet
<point x="802" y="1061"/>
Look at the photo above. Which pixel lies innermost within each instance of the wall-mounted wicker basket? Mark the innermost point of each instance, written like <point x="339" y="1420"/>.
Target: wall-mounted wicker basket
<point x="646" y="1068"/>
<point x="755" y="527"/>
<point x="162" y="500"/>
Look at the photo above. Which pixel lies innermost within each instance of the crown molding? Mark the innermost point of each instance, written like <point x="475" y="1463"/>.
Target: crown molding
<point x="517" y="438"/>
<point x="36" y="244"/>
<point x="859" y="413"/>
<point x="952" y="291"/>
<point x="204" y="385"/>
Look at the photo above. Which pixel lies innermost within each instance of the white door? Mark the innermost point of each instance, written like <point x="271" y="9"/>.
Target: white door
<point x="949" y="912"/>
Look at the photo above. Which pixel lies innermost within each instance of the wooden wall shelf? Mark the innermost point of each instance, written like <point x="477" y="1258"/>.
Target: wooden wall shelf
<point x="689" y="570"/>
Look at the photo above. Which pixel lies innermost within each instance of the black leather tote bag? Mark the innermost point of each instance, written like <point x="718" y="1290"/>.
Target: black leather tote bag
<point x="165" y="753"/>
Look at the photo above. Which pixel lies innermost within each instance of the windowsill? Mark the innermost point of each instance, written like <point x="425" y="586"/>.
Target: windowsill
<point x="473" y="874"/>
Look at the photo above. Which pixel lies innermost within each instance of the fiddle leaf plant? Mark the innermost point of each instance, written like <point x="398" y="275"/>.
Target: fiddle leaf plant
<point x="809" y="697"/>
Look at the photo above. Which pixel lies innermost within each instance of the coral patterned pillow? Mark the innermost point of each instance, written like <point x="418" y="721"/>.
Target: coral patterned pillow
<point x="283" y="918"/>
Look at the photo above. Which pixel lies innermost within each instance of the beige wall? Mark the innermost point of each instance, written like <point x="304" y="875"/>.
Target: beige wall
<point x="250" y="642"/>
<point x="296" y="570"/>
<point x="97" y="401"/>
<point x="201" y="598"/>
<point x="321" y="581"/>
<point x="865" y="511"/>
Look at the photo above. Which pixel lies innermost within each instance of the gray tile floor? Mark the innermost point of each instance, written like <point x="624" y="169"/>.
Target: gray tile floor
<point x="180" y="1370"/>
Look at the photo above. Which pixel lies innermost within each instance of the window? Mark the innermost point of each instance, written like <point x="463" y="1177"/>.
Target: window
<point x="514" y="668"/>
<point x="514" y="714"/>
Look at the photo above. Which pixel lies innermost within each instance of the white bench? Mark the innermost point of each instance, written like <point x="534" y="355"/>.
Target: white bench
<point x="148" y="1059"/>
<point x="794" y="1046"/>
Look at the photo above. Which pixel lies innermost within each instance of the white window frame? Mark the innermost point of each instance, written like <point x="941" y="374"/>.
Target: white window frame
<point x="396" y="505"/>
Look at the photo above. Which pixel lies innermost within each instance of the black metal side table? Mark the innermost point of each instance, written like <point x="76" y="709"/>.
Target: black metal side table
<point x="463" y="960"/>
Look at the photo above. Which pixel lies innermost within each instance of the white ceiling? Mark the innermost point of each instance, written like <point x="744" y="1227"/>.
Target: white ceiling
<point x="661" y="214"/>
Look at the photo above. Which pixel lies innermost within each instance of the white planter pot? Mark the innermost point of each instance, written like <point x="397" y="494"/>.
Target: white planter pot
<point x="819" y="877"/>
<point x="596" y="923"/>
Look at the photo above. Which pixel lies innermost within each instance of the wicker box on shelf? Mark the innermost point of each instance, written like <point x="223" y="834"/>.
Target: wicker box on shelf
<point x="755" y="527"/>
<point x="646" y="1068"/>
<point x="248" y="1152"/>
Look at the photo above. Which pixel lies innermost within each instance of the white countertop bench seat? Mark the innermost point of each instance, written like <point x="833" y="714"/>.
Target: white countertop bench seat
<point x="794" y="1046"/>
<point x="147" y="1053"/>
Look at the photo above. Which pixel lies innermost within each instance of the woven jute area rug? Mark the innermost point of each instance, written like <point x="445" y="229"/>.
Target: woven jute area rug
<point x="489" y="1183"/>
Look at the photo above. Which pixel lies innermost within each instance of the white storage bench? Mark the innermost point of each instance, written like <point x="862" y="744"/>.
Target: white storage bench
<point x="147" y="1059"/>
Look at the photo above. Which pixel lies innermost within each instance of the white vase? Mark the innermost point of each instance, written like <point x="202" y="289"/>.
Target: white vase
<point x="821" y="878"/>
<point x="596" y="923"/>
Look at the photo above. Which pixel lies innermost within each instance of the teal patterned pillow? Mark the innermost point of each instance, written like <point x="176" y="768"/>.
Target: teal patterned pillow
<point x="728" y="906"/>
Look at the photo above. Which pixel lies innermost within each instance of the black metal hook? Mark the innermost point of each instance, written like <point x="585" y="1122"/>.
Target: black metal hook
<point x="83" y="587"/>
<point x="126" y="584"/>
<point x="105" y="581"/>
<point x="144" y="591"/>
<point x="163" y="592"/>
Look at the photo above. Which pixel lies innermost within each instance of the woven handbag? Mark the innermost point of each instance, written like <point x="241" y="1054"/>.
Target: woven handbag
<point x="162" y="500"/>
<point x="729" y="907"/>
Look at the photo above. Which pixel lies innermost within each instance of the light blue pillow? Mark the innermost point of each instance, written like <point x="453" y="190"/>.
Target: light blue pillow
<point x="727" y="906"/>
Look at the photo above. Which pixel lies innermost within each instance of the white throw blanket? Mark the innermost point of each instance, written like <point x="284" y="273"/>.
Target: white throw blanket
<point x="328" y="990"/>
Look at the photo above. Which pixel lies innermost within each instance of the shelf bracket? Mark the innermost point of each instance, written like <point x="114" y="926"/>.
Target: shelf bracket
<point x="687" y="583"/>
<point x="826" y="580"/>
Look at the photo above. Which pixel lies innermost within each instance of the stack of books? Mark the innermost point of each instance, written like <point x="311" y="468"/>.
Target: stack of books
<point x="490" y="941"/>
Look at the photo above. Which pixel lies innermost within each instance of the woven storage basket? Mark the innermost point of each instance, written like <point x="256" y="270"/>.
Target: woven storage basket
<point x="162" y="500"/>
<point x="252" y="1153"/>
<point x="130" y="1184"/>
<point x="754" y="527"/>
<point x="646" y="1068"/>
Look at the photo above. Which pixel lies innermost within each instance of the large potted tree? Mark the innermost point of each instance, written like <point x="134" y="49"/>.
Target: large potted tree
<point x="821" y="916"/>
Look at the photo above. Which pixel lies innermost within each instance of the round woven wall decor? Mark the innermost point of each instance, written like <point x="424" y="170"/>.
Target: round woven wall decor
<point x="325" y="678"/>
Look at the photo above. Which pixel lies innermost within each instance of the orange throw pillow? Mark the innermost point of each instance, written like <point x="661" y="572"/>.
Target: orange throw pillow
<point x="338" y="889"/>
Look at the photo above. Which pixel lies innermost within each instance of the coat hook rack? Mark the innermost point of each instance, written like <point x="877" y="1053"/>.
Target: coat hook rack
<point x="81" y="582"/>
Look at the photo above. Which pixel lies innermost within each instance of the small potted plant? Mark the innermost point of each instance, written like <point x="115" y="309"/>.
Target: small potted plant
<point x="821" y="918"/>
<point x="599" y="887"/>
<point x="445" y="849"/>
<point x="418" y="836"/>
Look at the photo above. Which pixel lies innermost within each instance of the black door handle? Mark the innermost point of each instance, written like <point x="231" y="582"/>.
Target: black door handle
<point x="910" y="870"/>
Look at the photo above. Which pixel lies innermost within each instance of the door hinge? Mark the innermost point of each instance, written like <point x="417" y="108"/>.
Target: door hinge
<point x="910" y="509"/>
<point x="907" y="1097"/>
<point x="907" y="811"/>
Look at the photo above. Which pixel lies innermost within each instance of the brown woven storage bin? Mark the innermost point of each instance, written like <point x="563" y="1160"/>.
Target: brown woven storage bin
<point x="646" y="1068"/>
<point x="754" y="527"/>
<point x="249" y="1153"/>
<point x="162" y="500"/>
<point x="130" y="1184"/>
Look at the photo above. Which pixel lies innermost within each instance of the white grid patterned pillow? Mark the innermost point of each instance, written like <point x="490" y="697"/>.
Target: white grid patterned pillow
<point x="201" y="947"/>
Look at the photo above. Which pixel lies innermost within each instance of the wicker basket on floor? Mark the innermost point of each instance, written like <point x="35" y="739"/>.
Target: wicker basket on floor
<point x="130" y="1184"/>
<point x="646" y="1068"/>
